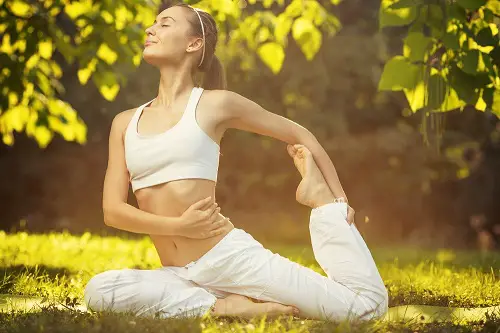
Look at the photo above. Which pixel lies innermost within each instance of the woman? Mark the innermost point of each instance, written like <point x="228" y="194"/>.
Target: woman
<point x="168" y="150"/>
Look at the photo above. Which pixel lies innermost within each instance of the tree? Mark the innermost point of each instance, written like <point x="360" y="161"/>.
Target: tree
<point x="451" y="54"/>
<point x="101" y="38"/>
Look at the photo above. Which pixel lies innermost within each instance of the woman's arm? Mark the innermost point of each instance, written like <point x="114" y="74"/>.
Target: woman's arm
<point x="241" y="113"/>
<point x="197" y="221"/>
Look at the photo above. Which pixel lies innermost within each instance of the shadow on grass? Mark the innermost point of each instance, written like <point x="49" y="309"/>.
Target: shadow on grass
<point x="412" y="297"/>
<point x="55" y="320"/>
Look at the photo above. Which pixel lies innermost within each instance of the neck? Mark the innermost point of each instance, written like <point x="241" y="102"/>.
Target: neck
<point x="174" y="82"/>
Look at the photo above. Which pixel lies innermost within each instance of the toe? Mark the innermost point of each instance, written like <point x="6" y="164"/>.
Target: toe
<point x="305" y="151"/>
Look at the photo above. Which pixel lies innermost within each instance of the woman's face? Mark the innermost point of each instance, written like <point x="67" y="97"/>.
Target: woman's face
<point x="170" y="38"/>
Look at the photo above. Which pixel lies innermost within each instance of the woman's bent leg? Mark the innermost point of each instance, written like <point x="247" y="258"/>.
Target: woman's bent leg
<point x="343" y="255"/>
<point x="338" y="247"/>
<point x="368" y="256"/>
<point x="147" y="292"/>
<point x="240" y="265"/>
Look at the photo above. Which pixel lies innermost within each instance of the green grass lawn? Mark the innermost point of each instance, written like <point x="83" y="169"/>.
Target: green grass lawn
<point x="43" y="277"/>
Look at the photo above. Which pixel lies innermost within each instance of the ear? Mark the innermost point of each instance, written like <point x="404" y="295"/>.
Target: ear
<point x="195" y="45"/>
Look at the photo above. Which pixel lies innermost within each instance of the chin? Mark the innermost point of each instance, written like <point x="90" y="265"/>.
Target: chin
<point x="153" y="58"/>
<point x="157" y="57"/>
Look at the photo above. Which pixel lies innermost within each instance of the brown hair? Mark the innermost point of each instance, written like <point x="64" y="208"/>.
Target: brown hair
<point x="214" y="76"/>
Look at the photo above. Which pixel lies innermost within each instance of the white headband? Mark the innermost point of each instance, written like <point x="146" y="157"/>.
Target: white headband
<point x="203" y="32"/>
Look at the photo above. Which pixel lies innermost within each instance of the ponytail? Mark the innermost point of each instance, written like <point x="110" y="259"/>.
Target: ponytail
<point x="203" y="25"/>
<point x="214" y="77"/>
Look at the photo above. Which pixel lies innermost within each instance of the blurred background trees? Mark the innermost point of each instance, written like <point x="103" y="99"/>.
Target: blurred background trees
<point x="67" y="67"/>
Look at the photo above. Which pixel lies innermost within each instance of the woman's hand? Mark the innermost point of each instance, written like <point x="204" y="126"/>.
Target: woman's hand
<point x="350" y="215"/>
<point x="350" y="210"/>
<point x="201" y="220"/>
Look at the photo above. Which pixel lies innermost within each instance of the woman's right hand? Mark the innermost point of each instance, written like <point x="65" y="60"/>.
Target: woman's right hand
<point x="201" y="220"/>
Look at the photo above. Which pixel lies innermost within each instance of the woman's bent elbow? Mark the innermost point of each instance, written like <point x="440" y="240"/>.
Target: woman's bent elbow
<point x="109" y="213"/>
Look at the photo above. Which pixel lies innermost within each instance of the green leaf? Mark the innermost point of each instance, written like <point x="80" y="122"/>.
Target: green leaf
<point x="20" y="8"/>
<point x="109" y="92"/>
<point x="467" y="86"/>
<point x="395" y="17"/>
<point x="43" y="136"/>
<point x="77" y="8"/>
<point x="452" y="101"/>
<point x="85" y="73"/>
<point x="470" y="62"/>
<point x="273" y="55"/>
<point x="464" y="85"/>
<point x="456" y="12"/>
<point x="399" y="74"/>
<point x="495" y="107"/>
<point x="436" y="91"/>
<point x="471" y="4"/>
<point x="282" y="27"/>
<point x="451" y="41"/>
<point x="262" y="35"/>
<point x="406" y="4"/>
<point x="106" y="82"/>
<point x="416" y="96"/>
<point x="495" y="56"/>
<point x="416" y="46"/>
<point x="45" y="49"/>
<point x="435" y="19"/>
<point x="485" y="37"/>
<point x="488" y="95"/>
<point x="307" y="36"/>
<point x="8" y="139"/>
<point x="487" y="63"/>
<point x="295" y="8"/>
<point x="494" y="6"/>
<point x="267" y="3"/>
<point x="107" y="54"/>
<point x="108" y="18"/>
<point x="486" y="99"/>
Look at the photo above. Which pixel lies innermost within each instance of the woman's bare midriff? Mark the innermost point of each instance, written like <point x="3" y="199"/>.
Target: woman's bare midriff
<point x="172" y="199"/>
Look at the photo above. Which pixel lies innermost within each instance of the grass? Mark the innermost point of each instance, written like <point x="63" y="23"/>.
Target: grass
<point x="47" y="274"/>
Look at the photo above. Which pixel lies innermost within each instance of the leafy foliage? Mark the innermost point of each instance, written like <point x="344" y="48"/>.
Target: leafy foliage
<point x="450" y="56"/>
<point x="40" y="38"/>
<point x="449" y="59"/>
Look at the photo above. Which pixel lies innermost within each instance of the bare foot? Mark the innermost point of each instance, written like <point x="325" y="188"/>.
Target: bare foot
<point x="312" y="190"/>
<point x="242" y="307"/>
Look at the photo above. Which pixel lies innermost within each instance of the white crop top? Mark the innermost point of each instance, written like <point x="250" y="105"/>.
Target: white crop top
<point x="182" y="152"/>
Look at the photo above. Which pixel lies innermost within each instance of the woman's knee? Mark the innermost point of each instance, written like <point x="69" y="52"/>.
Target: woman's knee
<point x="97" y="293"/>
<point x="377" y="304"/>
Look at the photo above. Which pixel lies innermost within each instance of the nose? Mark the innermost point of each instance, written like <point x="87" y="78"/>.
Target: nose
<point x="150" y="30"/>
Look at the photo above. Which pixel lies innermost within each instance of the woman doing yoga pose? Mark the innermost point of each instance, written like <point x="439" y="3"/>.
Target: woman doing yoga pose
<point x="168" y="150"/>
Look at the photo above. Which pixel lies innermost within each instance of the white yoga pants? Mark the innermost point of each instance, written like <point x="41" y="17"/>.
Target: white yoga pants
<point x="239" y="264"/>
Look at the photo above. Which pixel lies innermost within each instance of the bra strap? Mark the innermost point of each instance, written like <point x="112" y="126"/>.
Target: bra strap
<point x="138" y="112"/>
<point x="193" y="101"/>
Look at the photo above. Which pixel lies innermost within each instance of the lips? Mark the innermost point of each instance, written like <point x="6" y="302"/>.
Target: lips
<point x="148" y="42"/>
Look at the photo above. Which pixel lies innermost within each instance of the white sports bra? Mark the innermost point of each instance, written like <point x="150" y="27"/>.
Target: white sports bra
<point x="182" y="152"/>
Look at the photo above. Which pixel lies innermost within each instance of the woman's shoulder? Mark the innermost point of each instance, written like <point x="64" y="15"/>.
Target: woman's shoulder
<point x="122" y="119"/>
<point x="222" y="99"/>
